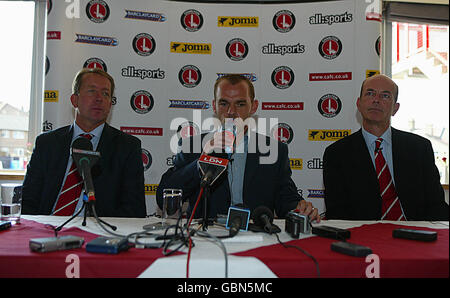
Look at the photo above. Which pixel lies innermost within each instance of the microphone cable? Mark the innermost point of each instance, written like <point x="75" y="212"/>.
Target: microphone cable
<point x="188" y="233"/>
<point x="219" y="242"/>
<point x="303" y="251"/>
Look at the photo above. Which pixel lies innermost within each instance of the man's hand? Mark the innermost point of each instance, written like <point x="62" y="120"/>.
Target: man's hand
<point x="307" y="208"/>
<point x="219" y="141"/>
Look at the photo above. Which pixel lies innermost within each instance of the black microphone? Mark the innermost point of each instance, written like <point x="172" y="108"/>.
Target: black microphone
<point x="263" y="217"/>
<point x="211" y="168"/>
<point x="235" y="225"/>
<point x="85" y="158"/>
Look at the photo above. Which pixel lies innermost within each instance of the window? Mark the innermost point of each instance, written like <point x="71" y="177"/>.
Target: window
<point x="16" y="61"/>
<point x="420" y="68"/>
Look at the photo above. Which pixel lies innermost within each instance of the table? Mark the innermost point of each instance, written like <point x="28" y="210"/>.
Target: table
<point x="249" y="254"/>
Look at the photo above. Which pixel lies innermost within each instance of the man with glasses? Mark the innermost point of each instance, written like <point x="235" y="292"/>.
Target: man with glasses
<point x="51" y="185"/>
<point x="379" y="172"/>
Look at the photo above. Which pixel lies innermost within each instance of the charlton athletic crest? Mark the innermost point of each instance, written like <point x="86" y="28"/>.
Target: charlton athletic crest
<point x="236" y="49"/>
<point x="97" y="11"/>
<point x="189" y="76"/>
<point x="329" y="105"/>
<point x="95" y="63"/>
<point x="283" y="21"/>
<point x="146" y="159"/>
<point x="330" y="47"/>
<point x="187" y="129"/>
<point x="191" y="20"/>
<point x="144" y="44"/>
<point x="142" y="102"/>
<point x="282" y="77"/>
<point x="283" y="132"/>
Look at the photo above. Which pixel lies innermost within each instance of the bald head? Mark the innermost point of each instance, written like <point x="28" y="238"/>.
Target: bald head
<point x="384" y="78"/>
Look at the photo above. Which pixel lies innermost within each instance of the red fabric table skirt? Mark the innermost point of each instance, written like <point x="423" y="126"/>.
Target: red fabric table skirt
<point x="397" y="257"/>
<point x="17" y="260"/>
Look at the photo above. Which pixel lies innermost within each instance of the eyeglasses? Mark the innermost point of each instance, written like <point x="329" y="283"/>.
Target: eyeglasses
<point x="382" y="95"/>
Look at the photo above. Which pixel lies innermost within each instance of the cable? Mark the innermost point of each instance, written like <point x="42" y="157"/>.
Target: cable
<point x="221" y="245"/>
<point x="101" y="224"/>
<point x="303" y="251"/>
<point x="187" y="230"/>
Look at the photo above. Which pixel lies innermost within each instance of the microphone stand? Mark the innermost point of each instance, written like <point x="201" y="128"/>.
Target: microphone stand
<point x="87" y="207"/>
<point x="205" y="207"/>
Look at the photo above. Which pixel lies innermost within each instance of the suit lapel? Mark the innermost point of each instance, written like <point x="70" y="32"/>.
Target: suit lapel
<point x="251" y="163"/>
<point x="104" y="147"/>
<point x="63" y="141"/>
<point x="362" y="157"/>
<point x="396" y="158"/>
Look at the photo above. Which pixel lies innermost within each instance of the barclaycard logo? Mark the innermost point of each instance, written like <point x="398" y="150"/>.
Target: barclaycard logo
<point x="190" y="48"/>
<point x="327" y="134"/>
<point x="143" y="15"/>
<point x="189" y="104"/>
<point x="251" y="76"/>
<point x="316" y="193"/>
<point x="99" y="40"/>
<point x="223" y="21"/>
<point x="150" y="189"/>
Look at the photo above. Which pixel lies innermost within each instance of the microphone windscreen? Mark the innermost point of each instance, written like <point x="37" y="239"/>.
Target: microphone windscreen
<point x="82" y="143"/>
<point x="258" y="212"/>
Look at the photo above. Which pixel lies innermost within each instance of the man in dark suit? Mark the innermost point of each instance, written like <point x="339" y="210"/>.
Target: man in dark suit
<point x="118" y="176"/>
<point x="352" y="187"/>
<point x="255" y="177"/>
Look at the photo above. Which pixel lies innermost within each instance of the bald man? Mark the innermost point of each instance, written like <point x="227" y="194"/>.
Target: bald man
<point x="353" y="173"/>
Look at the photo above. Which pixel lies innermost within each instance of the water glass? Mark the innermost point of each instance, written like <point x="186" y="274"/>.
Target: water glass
<point x="11" y="202"/>
<point x="172" y="203"/>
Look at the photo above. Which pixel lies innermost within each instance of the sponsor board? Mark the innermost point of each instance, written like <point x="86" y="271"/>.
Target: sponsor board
<point x="330" y="76"/>
<point x="143" y="15"/>
<point x="190" y="48"/>
<point x="51" y="95"/>
<point x="296" y="163"/>
<point x="225" y="21"/>
<point x="96" y="40"/>
<point x="150" y="189"/>
<point x="298" y="106"/>
<point x="327" y="134"/>
<point x="142" y="131"/>
<point x="189" y="104"/>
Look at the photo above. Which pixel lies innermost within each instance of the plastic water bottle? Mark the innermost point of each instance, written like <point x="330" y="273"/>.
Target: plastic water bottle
<point x="230" y="131"/>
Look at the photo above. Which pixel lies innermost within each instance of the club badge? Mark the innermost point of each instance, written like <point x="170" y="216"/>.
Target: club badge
<point x="330" y="47"/>
<point x="236" y="49"/>
<point x="142" y="102"/>
<point x="144" y="44"/>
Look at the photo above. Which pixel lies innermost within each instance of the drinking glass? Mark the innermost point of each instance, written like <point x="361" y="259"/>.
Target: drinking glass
<point x="171" y="209"/>
<point x="11" y="202"/>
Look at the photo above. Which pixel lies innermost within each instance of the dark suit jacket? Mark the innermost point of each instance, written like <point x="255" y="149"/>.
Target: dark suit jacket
<point x="351" y="185"/>
<point x="118" y="176"/>
<point x="264" y="184"/>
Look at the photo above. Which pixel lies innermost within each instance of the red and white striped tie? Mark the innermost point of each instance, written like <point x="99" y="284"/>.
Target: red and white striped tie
<point x="65" y="206"/>
<point x="390" y="203"/>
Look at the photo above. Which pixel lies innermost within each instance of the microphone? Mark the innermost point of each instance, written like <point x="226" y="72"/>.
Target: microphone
<point x="263" y="217"/>
<point x="211" y="167"/>
<point x="235" y="225"/>
<point x="85" y="158"/>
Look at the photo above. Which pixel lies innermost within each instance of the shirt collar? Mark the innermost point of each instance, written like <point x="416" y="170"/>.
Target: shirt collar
<point x="370" y="138"/>
<point x="96" y="133"/>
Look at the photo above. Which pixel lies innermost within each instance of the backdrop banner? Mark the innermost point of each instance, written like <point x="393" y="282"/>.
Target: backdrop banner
<point x="306" y="60"/>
